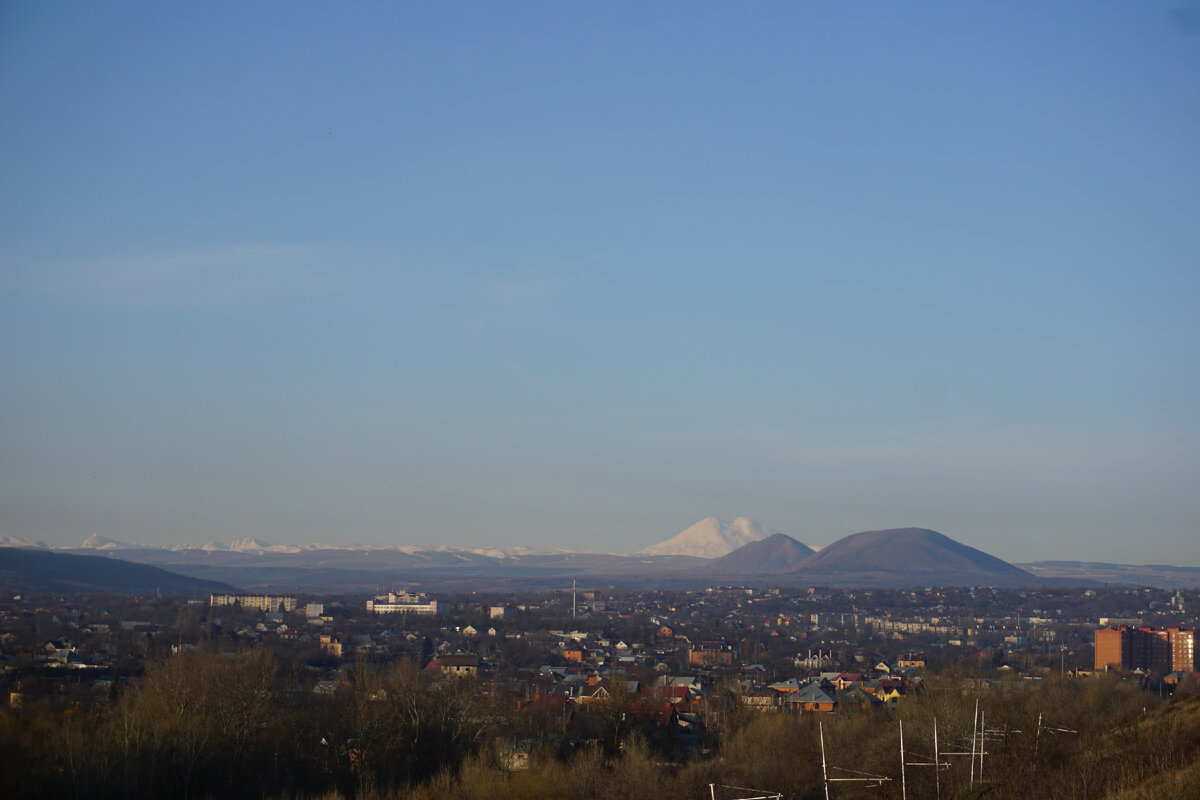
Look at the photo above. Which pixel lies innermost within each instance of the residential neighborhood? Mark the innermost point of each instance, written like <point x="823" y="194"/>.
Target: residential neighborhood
<point x="681" y="675"/>
<point x="770" y="649"/>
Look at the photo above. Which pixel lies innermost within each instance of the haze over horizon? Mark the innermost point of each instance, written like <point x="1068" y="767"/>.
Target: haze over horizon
<point x="538" y="274"/>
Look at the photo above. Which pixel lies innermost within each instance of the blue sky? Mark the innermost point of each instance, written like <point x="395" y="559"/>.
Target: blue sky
<point x="582" y="274"/>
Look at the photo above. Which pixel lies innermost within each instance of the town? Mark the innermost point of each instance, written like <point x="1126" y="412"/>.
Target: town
<point x="682" y="667"/>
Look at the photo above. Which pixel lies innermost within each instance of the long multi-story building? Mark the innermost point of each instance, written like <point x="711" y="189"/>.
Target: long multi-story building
<point x="263" y="602"/>
<point x="402" y="603"/>
<point x="1155" y="650"/>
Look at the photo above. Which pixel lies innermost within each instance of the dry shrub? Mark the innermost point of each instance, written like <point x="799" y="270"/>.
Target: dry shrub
<point x="775" y="752"/>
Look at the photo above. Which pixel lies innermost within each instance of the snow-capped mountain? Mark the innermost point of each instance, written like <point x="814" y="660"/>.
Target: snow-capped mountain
<point x="711" y="537"/>
<point x="98" y="542"/>
<point x="252" y="546"/>
<point x="247" y="545"/>
<point x="14" y="541"/>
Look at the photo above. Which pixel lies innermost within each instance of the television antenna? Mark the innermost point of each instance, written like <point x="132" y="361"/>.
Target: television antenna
<point x="1049" y="728"/>
<point x="872" y="781"/>
<point x="977" y="749"/>
<point x="981" y="734"/>
<point x="756" y="794"/>
<point x="936" y="763"/>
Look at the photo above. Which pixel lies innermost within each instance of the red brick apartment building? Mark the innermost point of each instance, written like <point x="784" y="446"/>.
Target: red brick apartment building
<point x="711" y="654"/>
<point x="1155" y="650"/>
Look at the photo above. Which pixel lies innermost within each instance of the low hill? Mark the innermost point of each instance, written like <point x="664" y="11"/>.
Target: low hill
<point x="777" y="553"/>
<point x="902" y="557"/>
<point x="1095" y="573"/>
<point x="30" y="570"/>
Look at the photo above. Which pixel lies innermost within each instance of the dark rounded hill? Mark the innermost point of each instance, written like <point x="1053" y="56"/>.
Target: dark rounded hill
<point x="43" y="571"/>
<point x="776" y="553"/>
<point x="908" y="557"/>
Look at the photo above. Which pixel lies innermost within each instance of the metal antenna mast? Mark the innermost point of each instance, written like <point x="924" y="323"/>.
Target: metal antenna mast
<point x="982" y="742"/>
<point x="874" y="781"/>
<point x="937" y="763"/>
<point x="758" y="794"/>
<point x="824" y="769"/>
<point x="974" y="734"/>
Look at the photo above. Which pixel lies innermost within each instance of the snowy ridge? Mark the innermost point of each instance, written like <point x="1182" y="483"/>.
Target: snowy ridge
<point x="711" y="537"/>
<point x="14" y="541"/>
<point x="254" y="546"/>
<point x="98" y="542"/>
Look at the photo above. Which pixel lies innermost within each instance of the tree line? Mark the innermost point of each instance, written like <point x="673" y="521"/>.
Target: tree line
<point x="203" y="724"/>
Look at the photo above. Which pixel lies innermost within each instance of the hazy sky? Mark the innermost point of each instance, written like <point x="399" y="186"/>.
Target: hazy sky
<point x="584" y="273"/>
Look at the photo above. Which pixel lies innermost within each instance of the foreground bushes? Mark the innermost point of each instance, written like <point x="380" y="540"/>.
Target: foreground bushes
<point x="203" y="725"/>
<point x="1125" y="746"/>
<point x="206" y="725"/>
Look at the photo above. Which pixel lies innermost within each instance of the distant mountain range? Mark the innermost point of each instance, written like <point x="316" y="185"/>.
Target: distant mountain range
<point x="710" y="551"/>
<point x="1096" y="573"/>
<point x="251" y="545"/>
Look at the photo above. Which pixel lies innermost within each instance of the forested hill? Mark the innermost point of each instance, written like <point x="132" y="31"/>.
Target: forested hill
<point x="38" y="570"/>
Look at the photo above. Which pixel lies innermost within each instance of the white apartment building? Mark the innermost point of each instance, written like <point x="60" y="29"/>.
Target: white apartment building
<point x="403" y="602"/>
<point x="262" y="602"/>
